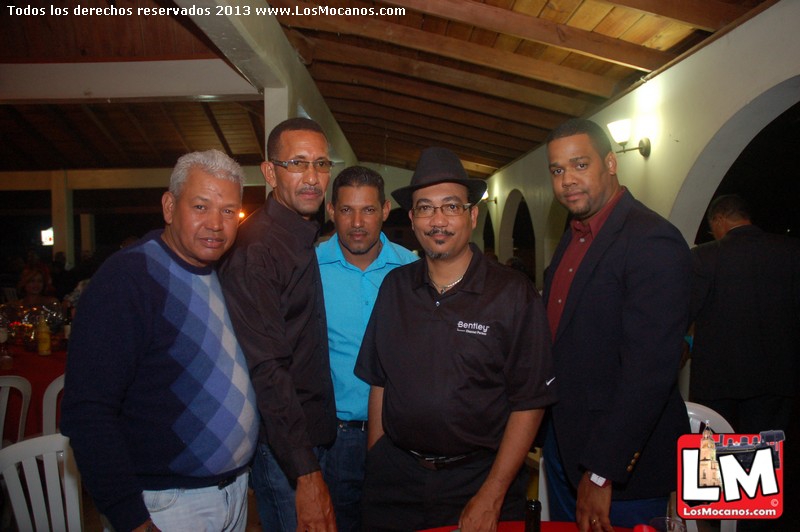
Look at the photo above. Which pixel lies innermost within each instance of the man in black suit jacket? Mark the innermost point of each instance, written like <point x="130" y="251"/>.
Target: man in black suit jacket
<point x="617" y="294"/>
<point x="746" y="308"/>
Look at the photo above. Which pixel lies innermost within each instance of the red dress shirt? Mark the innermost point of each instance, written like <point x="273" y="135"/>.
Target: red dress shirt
<point x="582" y="237"/>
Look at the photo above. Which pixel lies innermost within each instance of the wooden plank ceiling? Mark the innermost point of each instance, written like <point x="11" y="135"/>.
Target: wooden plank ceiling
<point x="487" y="79"/>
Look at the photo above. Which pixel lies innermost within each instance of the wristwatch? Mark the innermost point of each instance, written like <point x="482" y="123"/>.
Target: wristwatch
<point x="598" y="480"/>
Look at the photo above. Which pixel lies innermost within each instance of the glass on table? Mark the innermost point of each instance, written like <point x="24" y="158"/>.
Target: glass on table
<point x="668" y="524"/>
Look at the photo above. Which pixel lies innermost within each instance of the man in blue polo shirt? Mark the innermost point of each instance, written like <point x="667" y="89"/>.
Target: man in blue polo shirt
<point x="353" y="264"/>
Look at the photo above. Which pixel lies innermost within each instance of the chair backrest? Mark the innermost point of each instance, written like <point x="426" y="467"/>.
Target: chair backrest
<point x="7" y="382"/>
<point x="50" y="405"/>
<point x="699" y="414"/>
<point x="43" y="484"/>
<point x="543" y="496"/>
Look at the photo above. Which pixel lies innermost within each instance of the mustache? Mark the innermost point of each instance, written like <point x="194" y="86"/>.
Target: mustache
<point x="439" y="231"/>
<point x="310" y="189"/>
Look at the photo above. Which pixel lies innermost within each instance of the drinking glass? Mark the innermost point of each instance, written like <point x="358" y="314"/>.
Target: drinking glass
<point x="668" y="524"/>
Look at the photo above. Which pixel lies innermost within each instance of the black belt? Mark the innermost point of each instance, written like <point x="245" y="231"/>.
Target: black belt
<point x="435" y="463"/>
<point x="225" y="482"/>
<point x="353" y="424"/>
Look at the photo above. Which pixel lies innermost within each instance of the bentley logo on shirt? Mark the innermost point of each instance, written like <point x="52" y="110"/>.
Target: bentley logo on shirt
<point x="472" y="328"/>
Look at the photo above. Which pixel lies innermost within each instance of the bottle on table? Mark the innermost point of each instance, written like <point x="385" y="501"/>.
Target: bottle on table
<point x="67" y="328"/>
<point x="43" y="340"/>
<point x="533" y="516"/>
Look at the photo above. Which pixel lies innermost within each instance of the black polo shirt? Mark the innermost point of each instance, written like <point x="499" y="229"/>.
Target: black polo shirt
<point x="454" y="366"/>
<point x="273" y="291"/>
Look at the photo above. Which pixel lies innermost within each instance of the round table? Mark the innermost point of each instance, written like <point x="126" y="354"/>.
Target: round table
<point x="40" y="372"/>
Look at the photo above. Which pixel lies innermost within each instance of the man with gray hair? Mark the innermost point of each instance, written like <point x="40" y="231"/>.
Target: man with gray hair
<point x="157" y="403"/>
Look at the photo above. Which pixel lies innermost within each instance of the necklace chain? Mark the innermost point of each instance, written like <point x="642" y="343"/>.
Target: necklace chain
<point x="444" y="288"/>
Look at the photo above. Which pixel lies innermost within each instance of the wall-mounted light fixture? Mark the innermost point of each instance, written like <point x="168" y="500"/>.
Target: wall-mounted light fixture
<point x="486" y="199"/>
<point x="621" y="133"/>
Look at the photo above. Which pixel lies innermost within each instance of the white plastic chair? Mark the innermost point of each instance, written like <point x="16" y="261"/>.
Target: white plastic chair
<point x="698" y="416"/>
<point x="7" y="382"/>
<point x="50" y="405"/>
<point x="543" y="498"/>
<point x="51" y="496"/>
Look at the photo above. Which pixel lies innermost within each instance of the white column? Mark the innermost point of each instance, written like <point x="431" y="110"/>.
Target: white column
<point x="61" y="213"/>
<point x="87" y="235"/>
<point x="276" y="108"/>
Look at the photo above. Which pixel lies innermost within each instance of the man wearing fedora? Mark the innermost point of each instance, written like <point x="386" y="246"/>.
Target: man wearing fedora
<point x="457" y="355"/>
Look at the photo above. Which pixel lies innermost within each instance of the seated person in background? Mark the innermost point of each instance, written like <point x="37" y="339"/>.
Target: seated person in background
<point x="32" y="286"/>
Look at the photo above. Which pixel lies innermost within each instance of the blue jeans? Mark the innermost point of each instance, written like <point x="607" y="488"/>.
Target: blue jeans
<point x="563" y="497"/>
<point x="344" y="474"/>
<point x="201" y="509"/>
<point x="275" y="495"/>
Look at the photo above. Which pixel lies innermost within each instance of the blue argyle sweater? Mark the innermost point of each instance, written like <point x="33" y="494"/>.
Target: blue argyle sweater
<point x="157" y="393"/>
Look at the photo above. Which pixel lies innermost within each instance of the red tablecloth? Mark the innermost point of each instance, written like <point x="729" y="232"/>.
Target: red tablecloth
<point x="519" y="526"/>
<point x="40" y="371"/>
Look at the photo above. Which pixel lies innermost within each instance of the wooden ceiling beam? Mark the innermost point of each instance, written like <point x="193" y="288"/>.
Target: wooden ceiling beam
<point x="409" y="150"/>
<point x="66" y="124"/>
<point x="175" y="126"/>
<point x="498" y="109"/>
<point x="423" y="122"/>
<point x="708" y="15"/>
<point x="432" y="137"/>
<point x="142" y="133"/>
<point x="104" y="129"/>
<point x="212" y="120"/>
<point x="355" y="56"/>
<point x="258" y="130"/>
<point x="481" y="159"/>
<point x="540" y="30"/>
<point x="45" y="150"/>
<point x="425" y="107"/>
<point x="15" y="155"/>
<point x="460" y="50"/>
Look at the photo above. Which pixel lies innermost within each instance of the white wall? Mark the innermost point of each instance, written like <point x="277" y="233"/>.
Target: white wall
<point x="699" y="115"/>
<point x="393" y="178"/>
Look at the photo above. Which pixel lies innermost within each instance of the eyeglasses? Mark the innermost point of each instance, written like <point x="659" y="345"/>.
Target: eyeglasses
<point x="448" y="209"/>
<point x="298" y="166"/>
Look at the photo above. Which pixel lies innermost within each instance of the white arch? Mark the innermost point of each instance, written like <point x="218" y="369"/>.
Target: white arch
<point x="504" y="232"/>
<point x="722" y="150"/>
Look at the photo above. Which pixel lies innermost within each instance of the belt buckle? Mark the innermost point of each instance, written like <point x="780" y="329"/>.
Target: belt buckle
<point x="225" y="482"/>
<point x="354" y="424"/>
<point x="435" y="463"/>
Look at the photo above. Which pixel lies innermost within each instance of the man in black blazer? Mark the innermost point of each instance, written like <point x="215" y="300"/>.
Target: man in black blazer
<point x="617" y="295"/>
<point x="746" y="309"/>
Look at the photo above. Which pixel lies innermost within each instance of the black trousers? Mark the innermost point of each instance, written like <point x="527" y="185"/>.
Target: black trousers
<point x="401" y="494"/>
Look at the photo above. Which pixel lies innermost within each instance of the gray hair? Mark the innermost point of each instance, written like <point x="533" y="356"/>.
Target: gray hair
<point x="212" y="162"/>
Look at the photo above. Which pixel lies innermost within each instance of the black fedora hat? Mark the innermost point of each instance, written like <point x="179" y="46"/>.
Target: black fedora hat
<point x="439" y="165"/>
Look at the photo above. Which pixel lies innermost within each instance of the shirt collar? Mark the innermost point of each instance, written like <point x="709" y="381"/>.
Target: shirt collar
<point x="307" y="230"/>
<point x="581" y="229"/>
<point x="330" y="251"/>
<point x="474" y="277"/>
